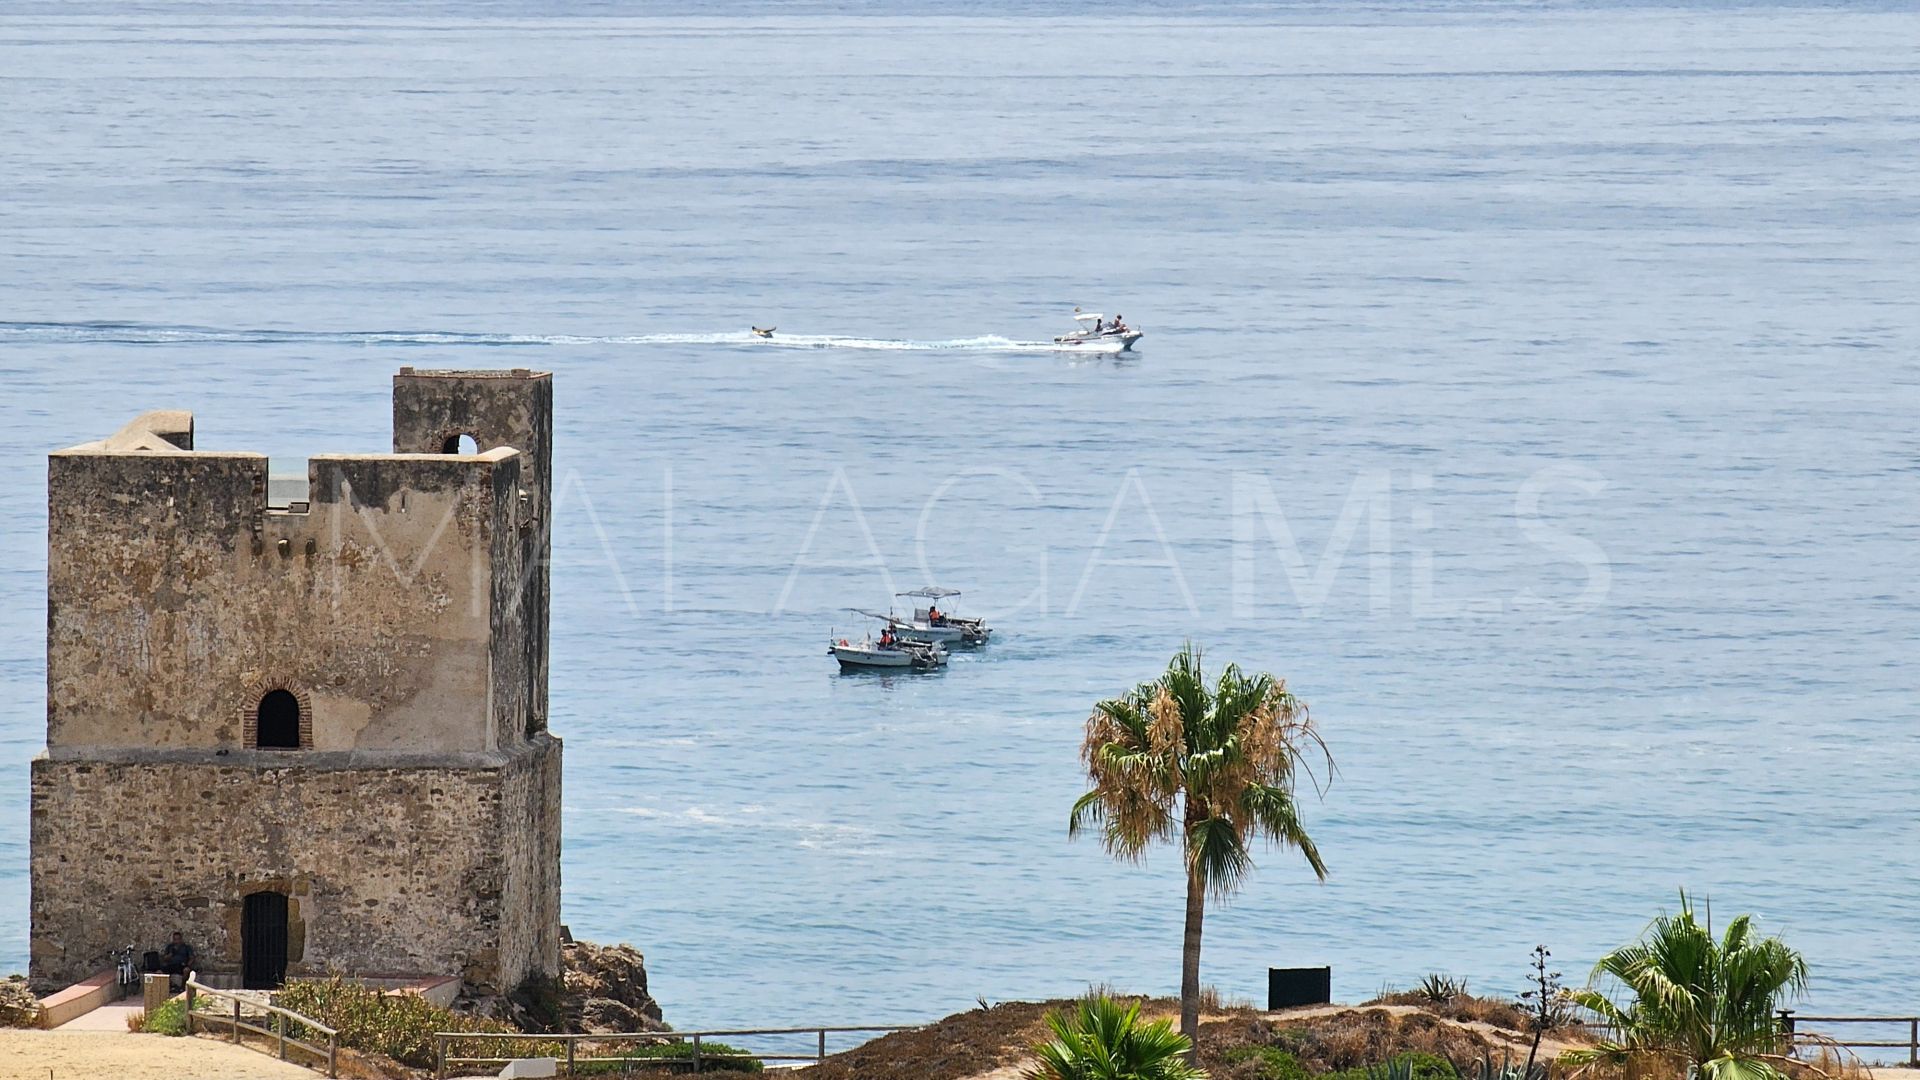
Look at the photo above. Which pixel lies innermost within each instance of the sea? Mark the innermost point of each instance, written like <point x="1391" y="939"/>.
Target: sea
<point x="1532" y="385"/>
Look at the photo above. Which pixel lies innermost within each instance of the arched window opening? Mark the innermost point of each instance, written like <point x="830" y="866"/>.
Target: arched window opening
<point x="277" y="724"/>
<point x="460" y="444"/>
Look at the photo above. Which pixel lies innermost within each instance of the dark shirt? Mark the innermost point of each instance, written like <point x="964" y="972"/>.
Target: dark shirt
<point x="178" y="952"/>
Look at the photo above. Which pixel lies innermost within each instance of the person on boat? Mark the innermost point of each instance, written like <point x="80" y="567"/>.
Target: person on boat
<point x="886" y="638"/>
<point x="1119" y="325"/>
<point x="933" y="615"/>
<point x="1097" y="325"/>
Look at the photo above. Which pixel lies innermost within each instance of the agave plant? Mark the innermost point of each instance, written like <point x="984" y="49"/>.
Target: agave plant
<point x="1396" y="1069"/>
<point x="1506" y="1069"/>
<point x="1693" y="1002"/>
<point x="1104" y="1040"/>
<point x="1440" y="989"/>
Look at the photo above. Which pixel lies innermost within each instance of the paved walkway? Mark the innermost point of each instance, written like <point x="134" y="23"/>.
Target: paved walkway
<point x="66" y="1054"/>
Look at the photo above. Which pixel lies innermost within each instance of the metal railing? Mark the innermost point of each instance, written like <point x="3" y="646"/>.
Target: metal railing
<point x="236" y="1024"/>
<point x="1790" y="1025"/>
<point x="695" y="1056"/>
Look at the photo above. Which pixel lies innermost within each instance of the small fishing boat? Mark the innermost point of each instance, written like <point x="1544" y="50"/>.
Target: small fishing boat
<point x="929" y="623"/>
<point x="898" y="655"/>
<point x="764" y="331"/>
<point x="1095" y="330"/>
<point x="890" y="651"/>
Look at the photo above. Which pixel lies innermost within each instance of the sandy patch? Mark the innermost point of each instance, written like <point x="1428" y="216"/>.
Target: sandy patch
<point x="86" y="1055"/>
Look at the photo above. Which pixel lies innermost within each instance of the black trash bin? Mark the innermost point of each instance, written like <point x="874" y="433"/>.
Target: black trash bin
<point x="1290" y="987"/>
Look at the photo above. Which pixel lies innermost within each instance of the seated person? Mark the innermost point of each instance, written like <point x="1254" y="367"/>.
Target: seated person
<point x="934" y="616"/>
<point x="174" y="960"/>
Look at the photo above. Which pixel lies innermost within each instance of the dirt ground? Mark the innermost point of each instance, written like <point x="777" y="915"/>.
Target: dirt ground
<point x="992" y="1044"/>
<point x="88" y="1055"/>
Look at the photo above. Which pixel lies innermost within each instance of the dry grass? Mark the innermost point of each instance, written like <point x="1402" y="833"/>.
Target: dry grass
<point x="1821" y="1061"/>
<point x="1344" y="1040"/>
<point x="1211" y="1001"/>
<point x="963" y="1045"/>
<point x="1500" y="1012"/>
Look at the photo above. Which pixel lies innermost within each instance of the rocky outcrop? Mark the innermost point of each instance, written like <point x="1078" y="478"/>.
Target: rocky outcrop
<point x="18" y="1005"/>
<point x="604" y="989"/>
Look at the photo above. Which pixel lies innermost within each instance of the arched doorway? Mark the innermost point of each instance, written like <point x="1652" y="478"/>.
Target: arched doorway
<point x="263" y="941"/>
<point x="277" y="725"/>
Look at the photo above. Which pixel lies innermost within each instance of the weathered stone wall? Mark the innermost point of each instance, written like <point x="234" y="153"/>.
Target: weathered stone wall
<point x="176" y="600"/>
<point x="407" y="869"/>
<point x="530" y="904"/>
<point x="431" y="410"/>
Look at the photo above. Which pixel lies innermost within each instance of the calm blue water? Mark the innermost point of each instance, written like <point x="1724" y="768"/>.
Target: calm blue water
<point x="1571" y="352"/>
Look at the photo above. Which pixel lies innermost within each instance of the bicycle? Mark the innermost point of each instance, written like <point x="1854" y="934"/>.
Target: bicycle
<point x="123" y="967"/>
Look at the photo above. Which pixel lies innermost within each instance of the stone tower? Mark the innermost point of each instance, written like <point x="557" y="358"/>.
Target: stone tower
<point x="312" y="735"/>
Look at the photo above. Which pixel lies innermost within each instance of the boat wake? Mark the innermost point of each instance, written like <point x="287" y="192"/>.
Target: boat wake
<point x="121" y="333"/>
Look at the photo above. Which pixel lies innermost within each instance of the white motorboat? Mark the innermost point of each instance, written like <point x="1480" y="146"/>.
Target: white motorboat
<point x="929" y="623"/>
<point x="1096" y="330"/>
<point x="889" y="651"/>
<point x="899" y="656"/>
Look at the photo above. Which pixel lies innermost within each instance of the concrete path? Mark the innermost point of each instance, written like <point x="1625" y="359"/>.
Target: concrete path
<point x="110" y="1017"/>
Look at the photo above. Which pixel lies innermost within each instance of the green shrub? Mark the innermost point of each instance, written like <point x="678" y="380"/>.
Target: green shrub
<point x="402" y="1026"/>
<point x="1428" y="1066"/>
<point x="169" y="1019"/>
<point x="1412" y="1065"/>
<point x="1275" y="1063"/>
<point x="1103" y="1038"/>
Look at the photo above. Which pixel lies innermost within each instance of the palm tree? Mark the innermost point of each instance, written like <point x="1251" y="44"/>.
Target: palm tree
<point x="1693" y="1002"/>
<point x="1210" y="765"/>
<point x="1104" y="1041"/>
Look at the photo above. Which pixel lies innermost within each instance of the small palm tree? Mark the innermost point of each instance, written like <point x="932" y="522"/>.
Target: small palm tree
<point x="1106" y="1041"/>
<point x="1212" y="766"/>
<point x="1695" y="1003"/>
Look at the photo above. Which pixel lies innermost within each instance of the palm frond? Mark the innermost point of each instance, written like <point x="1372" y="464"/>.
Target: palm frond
<point x="1216" y="850"/>
<point x="1274" y="814"/>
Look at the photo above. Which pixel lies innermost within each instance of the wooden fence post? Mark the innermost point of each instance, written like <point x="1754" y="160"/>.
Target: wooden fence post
<point x="236" y="1019"/>
<point x="696" y="1053"/>
<point x="570" y="1046"/>
<point x="1913" y="1043"/>
<point x="823" y="1046"/>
